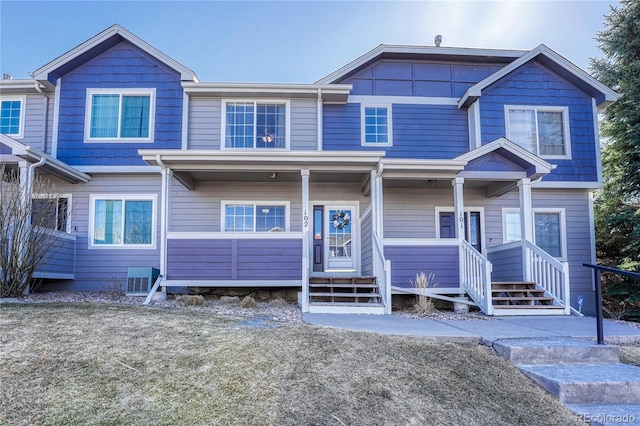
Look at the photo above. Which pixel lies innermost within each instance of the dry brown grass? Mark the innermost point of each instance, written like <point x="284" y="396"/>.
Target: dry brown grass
<point x="190" y="299"/>
<point x="630" y="354"/>
<point x="82" y="364"/>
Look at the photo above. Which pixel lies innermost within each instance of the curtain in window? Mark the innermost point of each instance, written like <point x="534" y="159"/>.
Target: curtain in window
<point x="137" y="222"/>
<point x="135" y="117"/>
<point x="551" y="133"/>
<point x="522" y="129"/>
<point x="104" y="116"/>
<point x="547" y="229"/>
<point x="513" y="228"/>
<point x="107" y="224"/>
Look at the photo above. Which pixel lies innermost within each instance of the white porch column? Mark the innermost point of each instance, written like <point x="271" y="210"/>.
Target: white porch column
<point x="380" y="208"/>
<point x="526" y="223"/>
<point x="458" y="205"/>
<point x="25" y="186"/>
<point x="165" y="202"/>
<point x="305" y="239"/>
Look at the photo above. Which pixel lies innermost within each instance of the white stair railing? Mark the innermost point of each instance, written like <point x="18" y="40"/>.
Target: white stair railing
<point x="549" y="273"/>
<point x="475" y="276"/>
<point x="382" y="270"/>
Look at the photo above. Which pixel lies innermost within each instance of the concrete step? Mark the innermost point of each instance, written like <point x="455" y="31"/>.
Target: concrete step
<point x="556" y="351"/>
<point x="607" y="414"/>
<point x="587" y="383"/>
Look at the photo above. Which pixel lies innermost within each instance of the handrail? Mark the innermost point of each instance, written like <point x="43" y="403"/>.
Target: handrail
<point x="385" y="285"/>
<point x="475" y="276"/>
<point x="597" y="270"/>
<point x="549" y="273"/>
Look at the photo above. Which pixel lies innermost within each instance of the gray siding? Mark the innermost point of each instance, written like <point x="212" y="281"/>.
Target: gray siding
<point x="96" y="268"/>
<point x="205" y="124"/>
<point x="37" y="127"/>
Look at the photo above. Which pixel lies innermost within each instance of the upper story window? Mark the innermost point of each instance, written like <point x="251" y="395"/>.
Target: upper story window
<point x="376" y="125"/>
<point x="255" y="217"/>
<point x="12" y="116"/>
<point x="120" y="115"/>
<point x="543" y="131"/>
<point x="122" y="221"/>
<point x="255" y="124"/>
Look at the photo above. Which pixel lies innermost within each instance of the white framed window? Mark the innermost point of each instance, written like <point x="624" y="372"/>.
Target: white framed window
<point x="260" y="124"/>
<point x="253" y="216"/>
<point x="52" y="212"/>
<point x="542" y="130"/>
<point x="12" y="116"/>
<point x="120" y="115"/>
<point x="122" y="221"/>
<point x="549" y="229"/>
<point x="473" y="225"/>
<point x="376" y="125"/>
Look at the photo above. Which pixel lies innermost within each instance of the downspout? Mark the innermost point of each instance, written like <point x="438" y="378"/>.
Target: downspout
<point x="45" y="119"/>
<point x="26" y="204"/>
<point x="319" y="120"/>
<point x="164" y="173"/>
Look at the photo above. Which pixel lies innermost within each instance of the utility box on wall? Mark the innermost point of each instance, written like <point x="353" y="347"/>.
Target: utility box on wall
<point x="141" y="279"/>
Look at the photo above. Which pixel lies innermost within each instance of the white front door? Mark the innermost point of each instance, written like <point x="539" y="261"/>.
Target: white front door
<point x="341" y="238"/>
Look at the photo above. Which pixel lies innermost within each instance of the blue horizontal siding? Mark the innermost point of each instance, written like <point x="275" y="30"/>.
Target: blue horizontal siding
<point x="60" y="259"/>
<point x="507" y="265"/>
<point x="533" y="84"/>
<point x="419" y="131"/>
<point x="234" y="259"/>
<point x="407" y="261"/>
<point x="4" y="149"/>
<point x="418" y="78"/>
<point x="122" y="66"/>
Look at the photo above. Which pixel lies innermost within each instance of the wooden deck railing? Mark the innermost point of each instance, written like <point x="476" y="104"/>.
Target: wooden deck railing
<point x="475" y="276"/>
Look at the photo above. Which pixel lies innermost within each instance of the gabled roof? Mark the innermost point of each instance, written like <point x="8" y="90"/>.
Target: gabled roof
<point x="421" y="52"/>
<point x="50" y="164"/>
<point x="98" y="44"/>
<point x="556" y="63"/>
<point x="536" y="166"/>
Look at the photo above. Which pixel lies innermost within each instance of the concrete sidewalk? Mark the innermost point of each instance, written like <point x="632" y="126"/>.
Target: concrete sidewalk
<point x="485" y="331"/>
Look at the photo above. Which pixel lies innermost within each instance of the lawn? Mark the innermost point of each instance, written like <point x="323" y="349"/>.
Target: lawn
<point x="84" y="364"/>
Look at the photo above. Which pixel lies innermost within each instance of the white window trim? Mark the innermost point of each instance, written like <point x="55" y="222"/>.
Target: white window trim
<point x="565" y="122"/>
<point x="439" y="209"/>
<point x="23" y="107"/>
<point x="287" y="124"/>
<point x="69" y="206"/>
<point x="389" y="124"/>
<point x="151" y="92"/>
<point x="136" y="197"/>
<point x="505" y="211"/>
<point x="254" y="203"/>
<point x="563" y="226"/>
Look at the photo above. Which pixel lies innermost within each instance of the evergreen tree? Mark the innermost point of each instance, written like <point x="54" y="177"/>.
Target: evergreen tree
<point x="617" y="213"/>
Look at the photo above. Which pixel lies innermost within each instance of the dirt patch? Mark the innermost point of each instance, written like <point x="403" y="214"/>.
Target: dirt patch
<point x="92" y="364"/>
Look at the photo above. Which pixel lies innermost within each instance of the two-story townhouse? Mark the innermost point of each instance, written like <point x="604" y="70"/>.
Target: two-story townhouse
<point x="475" y="166"/>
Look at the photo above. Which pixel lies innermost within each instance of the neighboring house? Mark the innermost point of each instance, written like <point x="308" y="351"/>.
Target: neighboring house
<point x="471" y="165"/>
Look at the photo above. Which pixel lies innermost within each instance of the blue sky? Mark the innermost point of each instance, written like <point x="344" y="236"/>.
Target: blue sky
<point x="297" y="42"/>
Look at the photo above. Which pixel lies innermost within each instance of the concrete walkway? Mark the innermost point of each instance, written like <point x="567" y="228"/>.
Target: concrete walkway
<point x="485" y="331"/>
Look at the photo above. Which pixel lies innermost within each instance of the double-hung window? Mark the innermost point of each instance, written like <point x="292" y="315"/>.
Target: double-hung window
<point x="12" y="116"/>
<point x="543" y="131"/>
<point x="122" y="221"/>
<point x="376" y="125"/>
<point x="51" y="212"/>
<point x="120" y="115"/>
<point x="549" y="229"/>
<point x="255" y="124"/>
<point x="255" y="217"/>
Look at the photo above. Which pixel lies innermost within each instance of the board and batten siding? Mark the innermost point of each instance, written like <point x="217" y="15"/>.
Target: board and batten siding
<point x="419" y="131"/>
<point x="534" y="85"/>
<point x="418" y="78"/>
<point x="205" y="124"/>
<point x="97" y="268"/>
<point x="122" y="66"/>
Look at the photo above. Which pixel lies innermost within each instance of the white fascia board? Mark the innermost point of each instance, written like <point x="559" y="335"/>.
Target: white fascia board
<point x="415" y="50"/>
<point x="21" y="86"/>
<point x="541" y="165"/>
<point x="226" y="89"/>
<point x="119" y="169"/>
<point x="389" y="165"/>
<point x="475" y="91"/>
<point x="592" y="186"/>
<point x="42" y="72"/>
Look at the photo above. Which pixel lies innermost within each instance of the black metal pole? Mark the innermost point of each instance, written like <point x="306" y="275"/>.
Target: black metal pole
<point x="599" y="324"/>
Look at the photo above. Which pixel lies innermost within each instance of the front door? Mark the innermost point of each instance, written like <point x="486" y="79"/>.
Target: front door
<point x="472" y="227"/>
<point x="335" y="244"/>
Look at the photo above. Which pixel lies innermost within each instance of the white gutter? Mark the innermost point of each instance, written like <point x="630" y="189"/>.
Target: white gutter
<point x="319" y="120"/>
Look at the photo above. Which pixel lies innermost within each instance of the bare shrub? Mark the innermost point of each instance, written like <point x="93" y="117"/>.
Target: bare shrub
<point x="249" y="302"/>
<point x="190" y="299"/>
<point x="229" y="299"/>
<point x="424" y="304"/>
<point x="278" y="302"/>
<point x="114" y="287"/>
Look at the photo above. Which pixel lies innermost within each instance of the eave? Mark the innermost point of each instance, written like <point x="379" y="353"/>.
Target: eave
<point x="21" y="87"/>
<point x="334" y="93"/>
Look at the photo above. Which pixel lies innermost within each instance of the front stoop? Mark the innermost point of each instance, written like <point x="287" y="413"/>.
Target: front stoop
<point x="345" y="295"/>
<point x="586" y="377"/>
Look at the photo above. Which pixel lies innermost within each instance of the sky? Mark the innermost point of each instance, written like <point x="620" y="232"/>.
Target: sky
<point x="294" y="41"/>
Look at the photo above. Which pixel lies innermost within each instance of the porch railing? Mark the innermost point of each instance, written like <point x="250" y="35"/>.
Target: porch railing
<point x="549" y="273"/>
<point x="475" y="276"/>
<point x="382" y="270"/>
